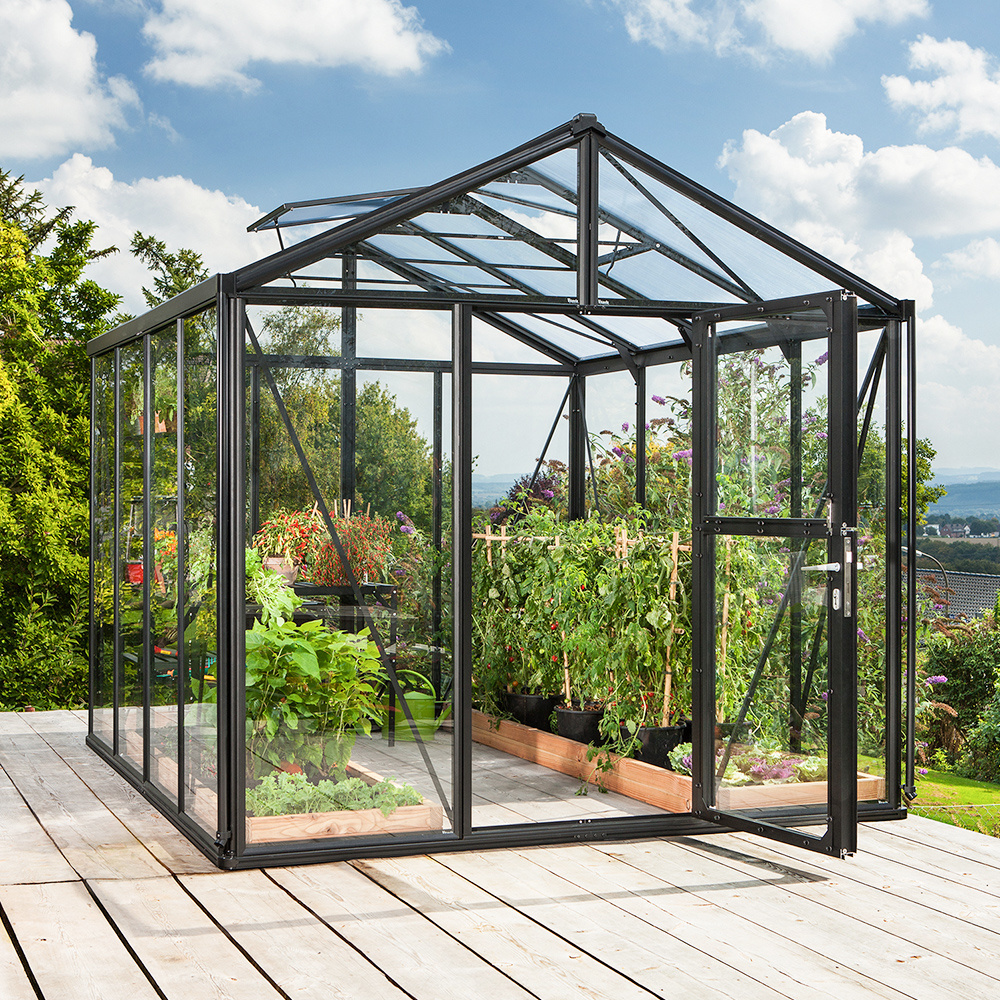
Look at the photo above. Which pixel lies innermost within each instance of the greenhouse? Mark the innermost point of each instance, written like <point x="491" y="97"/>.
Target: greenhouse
<point x="316" y="633"/>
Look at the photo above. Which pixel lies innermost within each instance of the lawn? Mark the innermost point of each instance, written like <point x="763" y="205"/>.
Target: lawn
<point x="974" y="805"/>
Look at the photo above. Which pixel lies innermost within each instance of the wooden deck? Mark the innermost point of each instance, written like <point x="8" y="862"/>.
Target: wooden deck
<point x="101" y="898"/>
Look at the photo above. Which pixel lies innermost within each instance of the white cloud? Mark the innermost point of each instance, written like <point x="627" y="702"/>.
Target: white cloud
<point x="816" y="28"/>
<point x="174" y="209"/>
<point x="964" y="94"/>
<point x="958" y="405"/>
<point x="978" y="259"/>
<point x="52" y="95"/>
<point x="212" y="44"/>
<point x="761" y="27"/>
<point x="863" y="208"/>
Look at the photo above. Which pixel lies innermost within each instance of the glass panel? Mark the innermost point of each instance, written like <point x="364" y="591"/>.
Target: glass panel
<point x="767" y="271"/>
<point x="771" y="672"/>
<point x="331" y="751"/>
<point x="770" y="400"/>
<point x="132" y="559"/>
<point x="164" y="729"/>
<point x="198" y="552"/>
<point x="103" y="546"/>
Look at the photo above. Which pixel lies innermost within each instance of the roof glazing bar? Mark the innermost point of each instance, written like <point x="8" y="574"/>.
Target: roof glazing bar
<point x="640" y="234"/>
<point x="634" y="181"/>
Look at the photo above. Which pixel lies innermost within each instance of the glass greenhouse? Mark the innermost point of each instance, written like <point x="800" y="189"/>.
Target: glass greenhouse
<point x="328" y="620"/>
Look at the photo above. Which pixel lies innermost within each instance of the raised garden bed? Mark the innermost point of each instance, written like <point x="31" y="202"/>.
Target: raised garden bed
<point x="344" y="822"/>
<point x="647" y="783"/>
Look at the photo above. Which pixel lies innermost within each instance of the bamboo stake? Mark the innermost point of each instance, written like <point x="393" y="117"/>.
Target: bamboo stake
<point x="489" y="545"/>
<point x="724" y="638"/>
<point x="566" y="687"/>
<point x="668" y="674"/>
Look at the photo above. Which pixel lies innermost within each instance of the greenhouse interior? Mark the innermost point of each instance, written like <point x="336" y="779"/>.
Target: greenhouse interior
<point x="559" y="500"/>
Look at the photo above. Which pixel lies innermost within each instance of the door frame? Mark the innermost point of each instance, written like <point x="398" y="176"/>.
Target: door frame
<point x="838" y="526"/>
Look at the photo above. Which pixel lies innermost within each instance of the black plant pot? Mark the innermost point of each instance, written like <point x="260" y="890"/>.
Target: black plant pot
<point x="533" y="710"/>
<point x="656" y="742"/>
<point x="580" y="724"/>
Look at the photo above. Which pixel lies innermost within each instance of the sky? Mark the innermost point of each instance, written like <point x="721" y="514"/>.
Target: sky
<point x="869" y="129"/>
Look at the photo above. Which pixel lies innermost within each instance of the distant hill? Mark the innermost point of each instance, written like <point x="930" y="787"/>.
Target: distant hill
<point x="975" y="474"/>
<point x="965" y="499"/>
<point x="487" y="490"/>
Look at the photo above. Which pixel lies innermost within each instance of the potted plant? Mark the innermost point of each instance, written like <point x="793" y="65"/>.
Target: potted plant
<point x="367" y="542"/>
<point x="289" y="541"/>
<point x="309" y="691"/>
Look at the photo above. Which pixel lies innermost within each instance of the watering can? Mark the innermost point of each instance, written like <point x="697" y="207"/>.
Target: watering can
<point x="423" y="708"/>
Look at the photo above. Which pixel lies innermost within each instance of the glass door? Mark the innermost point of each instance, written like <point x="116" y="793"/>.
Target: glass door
<point x="774" y="513"/>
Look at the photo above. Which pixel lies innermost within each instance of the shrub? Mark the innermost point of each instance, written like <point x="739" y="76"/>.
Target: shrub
<point x="967" y="653"/>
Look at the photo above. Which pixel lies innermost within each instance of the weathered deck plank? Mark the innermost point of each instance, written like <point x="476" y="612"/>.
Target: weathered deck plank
<point x="87" y="833"/>
<point x="510" y="938"/>
<point x="27" y="853"/>
<point x="14" y="982"/>
<point x="182" y="950"/>
<point x="73" y="952"/>
<point x="834" y="931"/>
<point x="301" y="954"/>
<point x="644" y="951"/>
<point x="914" y="916"/>
<point x="786" y="966"/>
<point x="405" y="942"/>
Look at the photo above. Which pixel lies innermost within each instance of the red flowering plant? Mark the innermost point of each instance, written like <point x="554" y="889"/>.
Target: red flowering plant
<point x="367" y="541"/>
<point x="295" y="535"/>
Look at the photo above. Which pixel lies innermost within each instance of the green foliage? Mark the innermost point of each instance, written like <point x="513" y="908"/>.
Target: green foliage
<point x="309" y="690"/>
<point x="173" y="272"/>
<point x="541" y="607"/>
<point x="270" y="590"/>
<point x="968" y="654"/>
<point x="284" y="794"/>
<point x="47" y="669"/>
<point x="48" y="311"/>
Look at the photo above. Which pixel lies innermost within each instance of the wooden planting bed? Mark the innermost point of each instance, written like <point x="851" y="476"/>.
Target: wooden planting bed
<point x="346" y="822"/>
<point x="647" y="783"/>
<point x="203" y="802"/>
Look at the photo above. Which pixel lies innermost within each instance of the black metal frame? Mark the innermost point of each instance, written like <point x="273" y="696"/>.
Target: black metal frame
<point x="591" y="318"/>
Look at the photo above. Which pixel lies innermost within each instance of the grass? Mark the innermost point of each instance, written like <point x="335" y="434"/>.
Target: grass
<point x="974" y="805"/>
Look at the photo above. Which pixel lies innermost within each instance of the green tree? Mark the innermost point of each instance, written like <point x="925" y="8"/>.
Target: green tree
<point x="48" y="312"/>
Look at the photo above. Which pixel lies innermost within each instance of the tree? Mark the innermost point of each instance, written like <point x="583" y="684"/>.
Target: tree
<point x="48" y="312"/>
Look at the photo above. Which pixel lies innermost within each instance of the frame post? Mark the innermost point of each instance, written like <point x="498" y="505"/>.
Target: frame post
<point x="577" y="447"/>
<point x="461" y="402"/>
<point x="349" y="383"/>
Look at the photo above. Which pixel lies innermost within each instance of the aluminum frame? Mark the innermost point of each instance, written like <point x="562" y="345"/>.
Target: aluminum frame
<point x="594" y="317"/>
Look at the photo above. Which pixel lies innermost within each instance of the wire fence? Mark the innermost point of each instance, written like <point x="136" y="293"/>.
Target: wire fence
<point x="981" y="818"/>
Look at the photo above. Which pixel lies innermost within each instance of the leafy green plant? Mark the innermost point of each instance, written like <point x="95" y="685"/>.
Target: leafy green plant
<point x="270" y="590"/>
<point x="289" y="794"/>
<point x="309" y="691"/>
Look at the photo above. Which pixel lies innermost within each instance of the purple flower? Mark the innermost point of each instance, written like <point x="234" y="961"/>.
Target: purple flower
<point x="921" y="770"/>
<point x="862" y="636"/>
<point x="660" y="400"/>
<point x="629" y="460"/>
<point x="821" y="435"/>
<point x="825" y="695"/>
<point x="547" y="494"/>
<point x="400" y="516"/>
<point x="407" y="529"/>
<point x="625" y="427"/>
<point x="936" y="679"/>
<point x="686" y="455"/>
<point x="647" y="425"/>
<point x="823" y="358"/>
<point x="617" y="451"/>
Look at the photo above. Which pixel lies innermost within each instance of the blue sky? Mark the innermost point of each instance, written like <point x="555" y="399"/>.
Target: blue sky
<point x="868" y="128"/>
